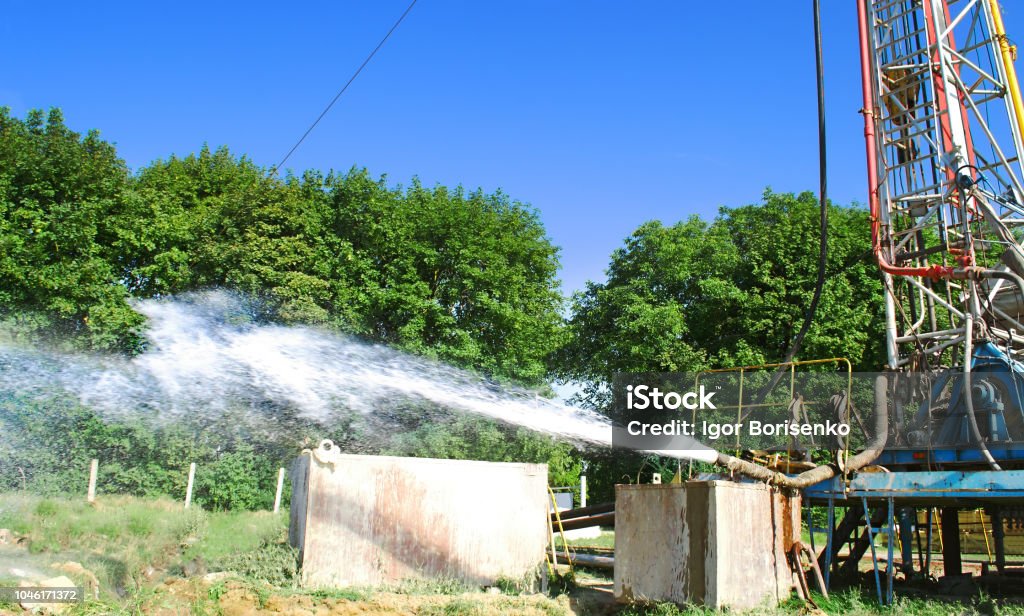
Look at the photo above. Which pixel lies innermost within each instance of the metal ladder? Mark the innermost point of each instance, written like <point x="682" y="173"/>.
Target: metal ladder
<point x="879" y="519"/>
<point x="890" y="532"/>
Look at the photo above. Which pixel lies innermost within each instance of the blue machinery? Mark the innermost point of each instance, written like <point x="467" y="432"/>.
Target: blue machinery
<point x="887" y="501"/>
<point x="876" y="501"/>
<point x="905" y="481"/>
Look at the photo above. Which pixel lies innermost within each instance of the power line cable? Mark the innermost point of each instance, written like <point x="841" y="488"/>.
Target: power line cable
<point x="342" y="90"/>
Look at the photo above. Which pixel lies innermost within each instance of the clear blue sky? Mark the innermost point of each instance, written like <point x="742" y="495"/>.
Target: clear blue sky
<point x="600" y="114"/>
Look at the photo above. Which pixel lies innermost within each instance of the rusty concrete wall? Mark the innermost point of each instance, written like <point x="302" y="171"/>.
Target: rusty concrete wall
<point x="712" y="543"/>
<point x="372" y="520"/>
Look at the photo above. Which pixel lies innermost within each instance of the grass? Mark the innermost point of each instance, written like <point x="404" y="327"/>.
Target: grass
<point x="852" y="603"/>
<point x="228" y="533"/>
<point x="117" y="539"/>
<point x="128" y="542"/>
<point x="135" y="546"/>
<point x="605" y="540"/>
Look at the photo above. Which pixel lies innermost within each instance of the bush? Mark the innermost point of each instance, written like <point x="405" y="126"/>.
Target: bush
<point x="275" y="563"/>
<point x="232" y="481"/>
<point x="471" y="438"/>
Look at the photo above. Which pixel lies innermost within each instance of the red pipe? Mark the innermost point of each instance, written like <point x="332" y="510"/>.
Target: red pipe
<point x="874" y="208"/>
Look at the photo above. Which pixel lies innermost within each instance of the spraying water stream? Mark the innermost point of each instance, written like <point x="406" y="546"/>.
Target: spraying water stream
<point x="207" y="355"/>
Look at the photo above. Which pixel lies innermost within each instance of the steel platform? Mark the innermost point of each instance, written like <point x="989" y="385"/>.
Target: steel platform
<point x="924" y="488"/>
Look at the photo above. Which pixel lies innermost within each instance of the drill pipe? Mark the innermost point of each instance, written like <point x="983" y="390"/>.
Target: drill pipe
<point x="824" y="471"/>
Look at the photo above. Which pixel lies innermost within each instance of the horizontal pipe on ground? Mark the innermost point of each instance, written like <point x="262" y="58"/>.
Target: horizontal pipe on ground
<point x="592" y="549"/>
<point x="602" y="519"/>
<point x="568" y="514"/>
<point x="592" y="560"/>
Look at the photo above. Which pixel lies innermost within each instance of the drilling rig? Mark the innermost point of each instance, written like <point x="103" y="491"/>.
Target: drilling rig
<point x="943" y="117"/>
<point x="942" y="124"/>
<point x="942" y="120"/>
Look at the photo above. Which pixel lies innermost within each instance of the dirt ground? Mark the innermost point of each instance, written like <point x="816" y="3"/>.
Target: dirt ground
<point x="235" y="598"/>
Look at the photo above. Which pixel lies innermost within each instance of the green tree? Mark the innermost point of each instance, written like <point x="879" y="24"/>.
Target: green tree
<point x="233" y="480"/>
<point x="472" y="438"/>
<point x="59" y="192"/>
<point x="466" y="277"/>
<point x="216" y="220"/>
<point x="732" y="292"/>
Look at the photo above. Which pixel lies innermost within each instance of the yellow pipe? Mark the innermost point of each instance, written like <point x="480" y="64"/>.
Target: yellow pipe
<point x="558" y="518"/>
<point x="984" y="533"/>
<point x="1008" y="53"/>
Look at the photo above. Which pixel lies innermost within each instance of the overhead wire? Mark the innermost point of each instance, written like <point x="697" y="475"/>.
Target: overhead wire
<point x="348" y="83"/>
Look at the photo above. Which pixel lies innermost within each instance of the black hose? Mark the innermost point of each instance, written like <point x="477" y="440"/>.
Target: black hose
<point x="798" y="340"/>
<point x="822" y="193"/>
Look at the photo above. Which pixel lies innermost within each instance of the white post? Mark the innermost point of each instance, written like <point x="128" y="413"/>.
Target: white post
<point x="191" y="480"/>
<point x="583" y="490"/>
<point x="280" y="485"/>
<point x="93" y="469"/>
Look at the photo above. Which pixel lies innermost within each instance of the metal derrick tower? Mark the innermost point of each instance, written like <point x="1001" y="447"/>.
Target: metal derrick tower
<point x="942" y="123"/>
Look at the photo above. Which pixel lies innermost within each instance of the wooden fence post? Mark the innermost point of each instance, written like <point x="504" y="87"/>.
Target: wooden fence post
<point x="191" y="480"/>
<point x="280" y="486"/>
<point x="94" y="466"/>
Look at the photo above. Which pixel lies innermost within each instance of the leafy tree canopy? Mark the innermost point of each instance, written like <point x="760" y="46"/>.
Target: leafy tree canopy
<point x="58" y="194"/>
<point x="732" y="292"/>
<point x="467" y="277"/>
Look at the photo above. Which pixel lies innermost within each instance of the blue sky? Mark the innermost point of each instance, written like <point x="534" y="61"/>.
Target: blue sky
<point x="602" y="115"/>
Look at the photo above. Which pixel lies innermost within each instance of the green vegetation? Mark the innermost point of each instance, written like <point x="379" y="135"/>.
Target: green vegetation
<point x="462" y="276"/>
<point x="227" y="535"/>
<point x="148" y="555"/>
<point x="468" y="438"/>
<point x="125" y="542"/>
<point x="48" y="441"/>
<point x="850" y="603"/>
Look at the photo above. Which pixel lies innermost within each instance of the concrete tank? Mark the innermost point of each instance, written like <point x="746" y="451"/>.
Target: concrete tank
<point x="712" y="543"/>
<point x="373" y="520"/>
